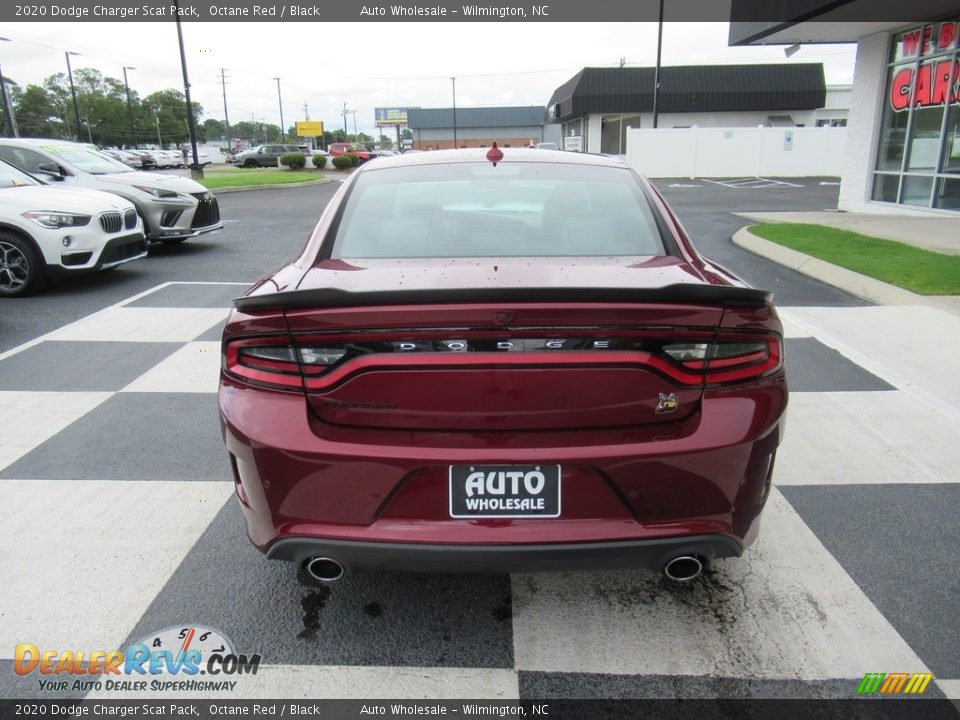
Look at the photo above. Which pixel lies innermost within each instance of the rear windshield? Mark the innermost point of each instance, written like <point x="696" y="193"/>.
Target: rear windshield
<point x="512" y="210"/>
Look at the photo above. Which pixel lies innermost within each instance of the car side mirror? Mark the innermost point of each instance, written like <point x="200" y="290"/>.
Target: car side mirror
<point x="50" y="169"/>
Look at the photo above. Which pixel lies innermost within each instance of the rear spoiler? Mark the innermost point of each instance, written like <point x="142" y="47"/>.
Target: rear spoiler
<point x="683" y="293"/>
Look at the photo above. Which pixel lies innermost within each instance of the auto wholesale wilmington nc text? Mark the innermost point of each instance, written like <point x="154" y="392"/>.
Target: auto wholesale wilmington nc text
<point x="494" y="11"/>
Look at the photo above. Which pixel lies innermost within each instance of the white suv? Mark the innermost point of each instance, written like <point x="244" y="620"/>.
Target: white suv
<point x="46" y="232"/>
<point x="173" y="208"/>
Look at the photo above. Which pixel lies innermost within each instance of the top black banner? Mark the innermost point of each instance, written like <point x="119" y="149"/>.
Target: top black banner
<point x="767" y="12"/>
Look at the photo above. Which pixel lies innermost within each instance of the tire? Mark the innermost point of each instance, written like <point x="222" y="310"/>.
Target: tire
<point x="250" y="163"/>
<point x="21" y="268"/>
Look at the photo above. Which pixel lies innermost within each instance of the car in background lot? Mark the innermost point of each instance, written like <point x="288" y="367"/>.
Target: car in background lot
<point x="501" y="361"/>
<point x="337" y="149"/>
<point x="547" y="146"/>
<point x="49" y="232"/>
<point x="127" y="157"/>
<point x="263" y="155"/>
<point x="149" y="162"/>
<point x="172" y="208"/>
<point x="168" y="158"/>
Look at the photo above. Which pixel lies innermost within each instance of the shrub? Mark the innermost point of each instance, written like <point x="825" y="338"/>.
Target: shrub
<point x="354" y="160"/>
<point x="319" y="161"/>
<point x="342" y="162"/>
<point x="294" y="161"/>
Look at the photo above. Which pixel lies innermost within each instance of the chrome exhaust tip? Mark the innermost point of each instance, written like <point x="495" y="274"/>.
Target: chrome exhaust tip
<point x="684" y="568"/>
<point x="322" y="569"/>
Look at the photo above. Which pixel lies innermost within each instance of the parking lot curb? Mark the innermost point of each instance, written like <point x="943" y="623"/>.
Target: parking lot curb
<point x="867" y="288"/>
<point x="307" y="183"/>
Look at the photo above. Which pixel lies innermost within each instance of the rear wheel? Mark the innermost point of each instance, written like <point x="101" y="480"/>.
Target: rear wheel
<point x="21" y="269"/>
<point x="250" y="163"/>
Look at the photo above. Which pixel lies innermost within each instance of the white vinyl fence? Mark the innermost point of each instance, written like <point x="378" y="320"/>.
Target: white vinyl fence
<point x="737" y="152"/>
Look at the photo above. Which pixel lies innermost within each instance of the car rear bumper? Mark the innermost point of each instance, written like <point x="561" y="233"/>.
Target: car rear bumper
<point x="652" y="554"/>
<point x="380" y="499"/>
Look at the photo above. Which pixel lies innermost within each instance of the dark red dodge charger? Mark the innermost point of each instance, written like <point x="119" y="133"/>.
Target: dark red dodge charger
<point x="501" y="362"/>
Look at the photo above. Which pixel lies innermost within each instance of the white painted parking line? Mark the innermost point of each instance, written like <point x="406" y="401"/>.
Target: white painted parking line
<point x="839" y="438"/>
<point x="142" y="324"/>
<point x="357" y="682"/>
<point x="31" y="418"/>
<point x="751" y="183"/>
<point x="791" y="330"/>
<point x="786" y="609"/>
<point x="194" y="368"/>
<point x="84" y="558"/>
<point x="950" y="688"/>
<point x="913" y="347"/>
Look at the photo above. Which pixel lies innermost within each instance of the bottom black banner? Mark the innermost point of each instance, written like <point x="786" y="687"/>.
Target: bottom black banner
<point x="878" y="709"/>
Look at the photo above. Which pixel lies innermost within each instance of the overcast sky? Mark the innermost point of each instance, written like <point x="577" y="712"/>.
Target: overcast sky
<point x="368" y="65"/>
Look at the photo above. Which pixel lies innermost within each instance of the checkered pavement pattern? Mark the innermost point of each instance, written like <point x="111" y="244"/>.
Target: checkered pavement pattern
<point x="119" y="521"/>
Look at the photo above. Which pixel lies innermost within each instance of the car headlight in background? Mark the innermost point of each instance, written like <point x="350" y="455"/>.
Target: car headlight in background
<point x="157" y="192"/>
<point x="57" y="220"/>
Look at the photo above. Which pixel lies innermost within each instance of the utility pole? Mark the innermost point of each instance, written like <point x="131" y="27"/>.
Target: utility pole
<point x="133" y="127"/>
<point x="226" y="118"/>
<point x="73" y="92"/>
<point x="196" y="170"/>
<point x="344" y="121"/>
<point x="283" y="130"/>
<point x="656" y="72"/>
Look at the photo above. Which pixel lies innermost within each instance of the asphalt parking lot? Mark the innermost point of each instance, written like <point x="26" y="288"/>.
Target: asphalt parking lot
<point x="122" y="521"/>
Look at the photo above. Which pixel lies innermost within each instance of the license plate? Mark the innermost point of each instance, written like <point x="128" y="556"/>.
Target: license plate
<point x="504" y="491"/>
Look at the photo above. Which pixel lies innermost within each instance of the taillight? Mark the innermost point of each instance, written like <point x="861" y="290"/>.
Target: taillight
<point x="263" y="361"/>
<point x="729" y="359"/>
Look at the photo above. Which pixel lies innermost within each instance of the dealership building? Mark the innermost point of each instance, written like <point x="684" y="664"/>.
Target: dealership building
<point x="441" y="128"/>
<point x="597" y="105"/>
<point x="903" y="140"/>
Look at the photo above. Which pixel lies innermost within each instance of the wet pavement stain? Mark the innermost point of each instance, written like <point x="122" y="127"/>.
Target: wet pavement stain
<point x="312" y="603"/>
<point x="504" y="611"/>
<point x="373" y="609"/>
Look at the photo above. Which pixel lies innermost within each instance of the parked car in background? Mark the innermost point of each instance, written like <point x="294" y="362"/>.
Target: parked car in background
<point x="547" y="146"/>
<point x="168" y="158"/>
<point x="501" y="361"/>
<point x="147" y="158"/>
<point x="48" y="232"/>
<point x="172" y="208"/>
<point x="127" y="157"/>
<point x="337" y="149"/>
<point x="263" y="155"/>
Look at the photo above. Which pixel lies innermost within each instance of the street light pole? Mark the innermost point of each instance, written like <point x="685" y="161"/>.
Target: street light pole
<point x="283" y="130"/>
<point x="7" y="105"/>
<point x="73" y="92"/>
<point x="133" y="127"/>
<point x="196" y="169"/>
<point x="226" y="118"/>
<point x="454" y="81"/>
<point x="656" y="72"/>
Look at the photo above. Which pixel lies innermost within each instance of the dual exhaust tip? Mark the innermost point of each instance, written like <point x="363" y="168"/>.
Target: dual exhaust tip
<point x="323" y="569"/>
<point x="684" y="568"/>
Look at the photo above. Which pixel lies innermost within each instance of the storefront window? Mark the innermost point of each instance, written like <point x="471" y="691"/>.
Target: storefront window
<point x="920" y="130"/>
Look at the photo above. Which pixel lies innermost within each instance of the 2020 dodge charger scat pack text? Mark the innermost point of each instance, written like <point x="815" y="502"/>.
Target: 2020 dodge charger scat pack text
<point x="501" y="362"/>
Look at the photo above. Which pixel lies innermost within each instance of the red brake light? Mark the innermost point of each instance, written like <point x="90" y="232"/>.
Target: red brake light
<point x="267" y="362"/>
<point x="730" y="358"/>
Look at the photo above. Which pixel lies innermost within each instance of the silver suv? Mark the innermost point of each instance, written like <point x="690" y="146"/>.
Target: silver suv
<point x="263" y="155"/>
<point x="173" y="208"/>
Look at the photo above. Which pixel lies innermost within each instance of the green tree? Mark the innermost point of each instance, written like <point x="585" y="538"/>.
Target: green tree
<point x="407" y="134"/>
<point x="38" y="114"/>
<point x="213" y="129"/>
<point x="168" y="110"/>
<point x="386" y="143"/>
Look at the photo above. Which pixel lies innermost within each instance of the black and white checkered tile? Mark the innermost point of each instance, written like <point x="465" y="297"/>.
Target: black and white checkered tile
<point x="119" y="520"/>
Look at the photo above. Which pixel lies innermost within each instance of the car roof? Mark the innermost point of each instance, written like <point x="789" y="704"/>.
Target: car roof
<point x="473" y="155"/>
